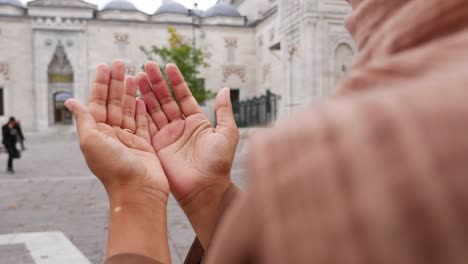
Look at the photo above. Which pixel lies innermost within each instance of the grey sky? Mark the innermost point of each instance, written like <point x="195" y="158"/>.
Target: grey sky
<point x="150" y="6"/>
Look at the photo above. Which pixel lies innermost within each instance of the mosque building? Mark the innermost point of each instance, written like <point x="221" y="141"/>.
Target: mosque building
<point x="297" y="50"/>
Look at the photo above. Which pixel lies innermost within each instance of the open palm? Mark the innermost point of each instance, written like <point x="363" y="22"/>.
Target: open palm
<point x="194" y="154"/>
<point x="119" y="158"/>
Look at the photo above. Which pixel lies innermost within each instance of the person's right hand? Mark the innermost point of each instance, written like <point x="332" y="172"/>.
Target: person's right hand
<point x="196" y="156"/>
<point x="126" y="163"/>
<point x="114" y="134"/>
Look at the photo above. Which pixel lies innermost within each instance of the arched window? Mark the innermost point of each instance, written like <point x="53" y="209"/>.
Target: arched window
<point x="2" y="101"/>
<point x="4" y="76"/>
<point x="343" y="61"/>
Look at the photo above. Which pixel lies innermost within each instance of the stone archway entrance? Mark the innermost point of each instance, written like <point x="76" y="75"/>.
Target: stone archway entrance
<point x="60" y="73"/>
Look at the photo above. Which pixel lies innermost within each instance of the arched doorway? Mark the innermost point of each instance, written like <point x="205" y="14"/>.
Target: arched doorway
<point x="60" y="73"/>
<point x="61" y="113"/>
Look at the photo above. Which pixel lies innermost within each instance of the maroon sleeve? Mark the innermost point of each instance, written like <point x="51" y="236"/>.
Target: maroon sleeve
<point x="196" y="253"/>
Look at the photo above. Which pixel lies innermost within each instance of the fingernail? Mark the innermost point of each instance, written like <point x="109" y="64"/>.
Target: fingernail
<point x="225" y="90"/>
<point x="69" y="105"/>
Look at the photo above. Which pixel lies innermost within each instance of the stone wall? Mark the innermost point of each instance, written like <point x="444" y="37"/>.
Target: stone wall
<point x="298" y="49"/>
<point x="270" y="73"/>
<point x="311" y="32"/>
<point x="16" y="78"/>
<point x="108" y="40"/>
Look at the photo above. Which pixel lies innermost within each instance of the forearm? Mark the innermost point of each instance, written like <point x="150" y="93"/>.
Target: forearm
<point x="138" y="225"/>
<point x="205" y="210"/>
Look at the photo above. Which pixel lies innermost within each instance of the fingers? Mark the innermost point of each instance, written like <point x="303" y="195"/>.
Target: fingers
<point x="115" y="94"/>
<point x="153" y="129"/>
<point x="129" y="103"/>
<point x="84" y="120"/>
<point x="224" y="113"/>
<point x="162" y="92"/>
<point x="152" y="104"/>
<point x="142" y="128"/>
<point x="98" y="94"/>
<point x="170" y="134"/>
<point x="182" y="92"/>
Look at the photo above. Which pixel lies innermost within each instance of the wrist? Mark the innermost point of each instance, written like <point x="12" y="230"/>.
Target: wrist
<point x="137" y="196"/>
<point x="205" y="209"/>
<point x="204" y="197"/>
<point x="138" y="225"/>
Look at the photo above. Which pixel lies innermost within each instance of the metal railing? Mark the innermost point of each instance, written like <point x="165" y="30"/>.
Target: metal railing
<point x="258" y="111"/>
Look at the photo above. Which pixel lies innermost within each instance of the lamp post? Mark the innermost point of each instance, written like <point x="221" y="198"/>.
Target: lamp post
<point x="194" y="14"/>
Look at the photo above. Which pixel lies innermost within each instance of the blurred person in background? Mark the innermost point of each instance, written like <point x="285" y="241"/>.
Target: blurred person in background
<point x="10" y="136"/>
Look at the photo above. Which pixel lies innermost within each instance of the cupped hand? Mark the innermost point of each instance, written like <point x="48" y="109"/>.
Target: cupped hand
<point x="195" y="155"/>
<point x="115" y="136"/>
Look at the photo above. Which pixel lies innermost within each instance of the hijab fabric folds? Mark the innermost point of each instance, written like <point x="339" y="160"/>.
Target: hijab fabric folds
<point x="379" y="173"/>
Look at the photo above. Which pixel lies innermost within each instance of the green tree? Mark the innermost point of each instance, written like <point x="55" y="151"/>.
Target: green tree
<point x="187" y="58"/>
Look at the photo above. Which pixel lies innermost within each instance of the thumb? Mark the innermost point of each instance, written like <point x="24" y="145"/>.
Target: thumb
<point x="224" y="113"/>
<point x="84" y="120"/>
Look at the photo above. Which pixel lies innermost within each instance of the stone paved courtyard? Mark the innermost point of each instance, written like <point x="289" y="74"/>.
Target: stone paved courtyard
<point x="53" y="190"/>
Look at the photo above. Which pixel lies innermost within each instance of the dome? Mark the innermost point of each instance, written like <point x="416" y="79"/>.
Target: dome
<point x="172" y="8"/>
<point x="119" y="5"/>
<point x="16" y="3"/>
<point x="222" y="9"/>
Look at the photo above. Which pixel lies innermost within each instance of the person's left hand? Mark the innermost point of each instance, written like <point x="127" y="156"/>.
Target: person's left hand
<point x="196" y="156"/>
<point x="124" y="161"/>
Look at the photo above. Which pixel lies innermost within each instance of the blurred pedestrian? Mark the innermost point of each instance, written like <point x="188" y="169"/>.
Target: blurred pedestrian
<point x="19" y="135"/>
<point x="10" y="135"/>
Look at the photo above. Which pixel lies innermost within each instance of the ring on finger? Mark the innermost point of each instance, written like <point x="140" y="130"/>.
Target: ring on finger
<point x="129" y="130"/>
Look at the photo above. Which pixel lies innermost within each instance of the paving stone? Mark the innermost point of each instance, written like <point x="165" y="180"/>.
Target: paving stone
<point x="17" y="254"/>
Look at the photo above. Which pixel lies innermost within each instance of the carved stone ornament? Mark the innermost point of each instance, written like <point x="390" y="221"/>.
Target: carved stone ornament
<point x="291" y="51"/>
<point x="58" y="23"/>
<point x="228" y="71"/>
<point x="230" y="42"/>
<point x="121" y="38"/>
<point x="5" y="71"/>
<point x="266" y="72"/>
<point x="60" y="65"/>
<point x="272" y="34"/>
